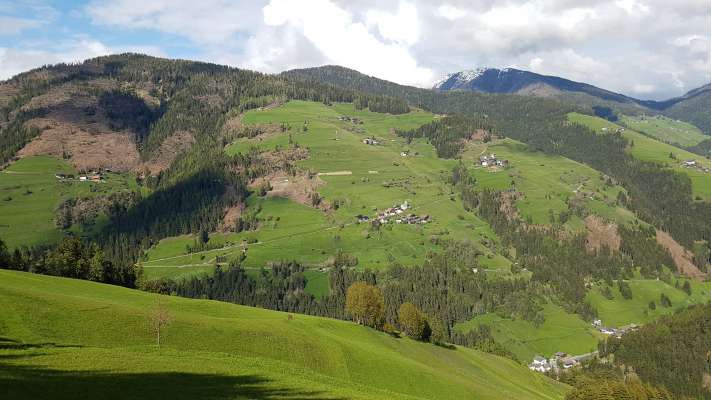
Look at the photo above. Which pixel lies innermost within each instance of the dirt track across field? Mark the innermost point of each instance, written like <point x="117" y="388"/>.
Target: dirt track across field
<point x="335" y="173"/>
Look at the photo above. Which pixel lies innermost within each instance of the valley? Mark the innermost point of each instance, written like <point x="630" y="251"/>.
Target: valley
<point x="484" y="230"/>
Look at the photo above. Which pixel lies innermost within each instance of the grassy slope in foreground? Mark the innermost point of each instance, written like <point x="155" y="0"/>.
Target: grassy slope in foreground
<point x="64" y="338"/>
<point x="648" y="149"/>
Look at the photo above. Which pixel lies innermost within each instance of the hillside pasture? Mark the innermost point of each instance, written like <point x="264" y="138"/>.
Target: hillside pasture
<point x="64" y="338"/>
<point x="618" y="311"/>
<point x="665" y="129"/>
<point x="30" y="194"/>
<point x="648" y="149"/>
<point x="547" y="183"/>
<point x="560" y="331"/>
<point x="378" y="177"/>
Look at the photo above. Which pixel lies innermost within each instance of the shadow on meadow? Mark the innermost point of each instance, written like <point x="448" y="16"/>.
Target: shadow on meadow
<point x="18" y="380"/>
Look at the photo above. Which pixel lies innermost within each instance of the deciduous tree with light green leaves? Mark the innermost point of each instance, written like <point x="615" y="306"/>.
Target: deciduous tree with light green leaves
<point x="365" y="304"/>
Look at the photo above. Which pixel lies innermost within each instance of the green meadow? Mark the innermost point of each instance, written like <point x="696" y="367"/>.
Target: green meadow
<point x="66" y="339"/>
<point x="372" y="178"/>
<point x="547" y="182"/>
<point x="618" y="311"/>
<point x="665" y="129"/>
<point x="648" y="149"/>
<point x="560" y="331"/>
<point x="30" y="194"/>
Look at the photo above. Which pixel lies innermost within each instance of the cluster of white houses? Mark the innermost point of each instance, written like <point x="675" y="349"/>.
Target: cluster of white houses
<point x="397" y="214"/>
<point x="559" y="360"/>
<point x="490" y="160"/>
<point x="617" y="332"/>
<point x="694" y="164"/>
<point x="90" y="177"/>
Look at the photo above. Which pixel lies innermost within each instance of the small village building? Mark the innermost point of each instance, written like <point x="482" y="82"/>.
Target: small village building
<point x="490" y="160"/>
<point x="539" y="364"/>
<point x="569" y="362"/>
<point x="689" y="163"/>
<point x="362" y="218"/>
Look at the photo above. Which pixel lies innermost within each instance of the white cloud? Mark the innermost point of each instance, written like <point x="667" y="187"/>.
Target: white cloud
<point x="450" y="12"/>
<point x="633" y="7"/>
<point x="204" y="21"/>
<point x="627" y="46"/>
<point x="13" y="60"/>
<point x="15" y="26"/>
<point x="401" y="27"/>
<point x="342" y="40"/>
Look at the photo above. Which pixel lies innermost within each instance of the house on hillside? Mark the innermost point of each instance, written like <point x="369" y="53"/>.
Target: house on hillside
<point x="490" y="160"/>
<point x="371" y="142"/>
<point x="689" y="164"/>
<point x="569" y="362"/>
<point x="362" y="218"/>
<point x="539" y="364"/>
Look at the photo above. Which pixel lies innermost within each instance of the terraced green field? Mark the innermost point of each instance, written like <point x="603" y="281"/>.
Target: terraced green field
<point x="64" y="339"/>
<point x="368" y="178"/>
<point x="560" y="332"/>
<point x="30" y="194"/>
<point x="648" y="149"/>
<point x="665" y="129"/>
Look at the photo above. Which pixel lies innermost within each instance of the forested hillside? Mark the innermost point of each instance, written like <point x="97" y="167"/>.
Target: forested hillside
<point x="672" y="351"/>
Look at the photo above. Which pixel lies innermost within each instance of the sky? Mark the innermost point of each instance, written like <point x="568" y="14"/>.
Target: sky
<point x="650" y="49"/>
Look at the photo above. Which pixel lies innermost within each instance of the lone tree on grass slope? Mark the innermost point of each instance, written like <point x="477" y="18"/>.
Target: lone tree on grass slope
<point x="365" y="304"/>
<point x="159" y="318"/>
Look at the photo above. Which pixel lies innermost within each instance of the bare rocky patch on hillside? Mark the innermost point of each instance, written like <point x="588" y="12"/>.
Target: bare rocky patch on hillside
<point x="682" y="257"/>
<point x="601" y="234"/>
<point x="85" y="150"/>
<point x="300" y="188"/>
<point x="232" y="214"/>
<point x="166" y="153"/>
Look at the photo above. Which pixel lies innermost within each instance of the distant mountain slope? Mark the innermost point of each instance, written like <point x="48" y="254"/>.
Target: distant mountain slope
<point x="67" y="339"/>
<point x="694" y="107"/>
<point x="516" y="81"/>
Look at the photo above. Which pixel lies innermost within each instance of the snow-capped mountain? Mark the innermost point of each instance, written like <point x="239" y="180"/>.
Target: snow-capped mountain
<point x="511" y="80"/>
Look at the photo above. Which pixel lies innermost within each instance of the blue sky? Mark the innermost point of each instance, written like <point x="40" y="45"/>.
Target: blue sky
<point x="645" y="48"/>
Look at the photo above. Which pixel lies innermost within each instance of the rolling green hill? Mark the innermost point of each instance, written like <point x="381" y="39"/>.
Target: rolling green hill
<point x="63" y="338"/>
<point x="362" y="179"/>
